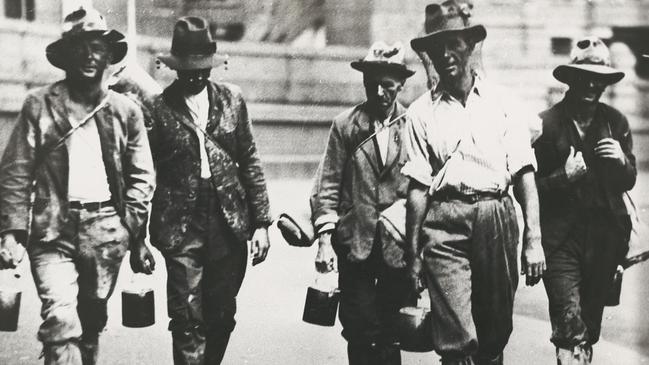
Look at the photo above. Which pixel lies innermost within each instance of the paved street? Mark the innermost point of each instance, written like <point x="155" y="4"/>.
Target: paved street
<point x="270" y="330"/>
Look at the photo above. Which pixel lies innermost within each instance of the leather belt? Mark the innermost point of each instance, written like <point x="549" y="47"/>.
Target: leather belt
<point x="469" y="198"/>
<point x="90" y="206"/>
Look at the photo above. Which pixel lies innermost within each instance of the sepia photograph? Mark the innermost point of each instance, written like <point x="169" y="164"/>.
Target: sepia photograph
<point x="324" y="182"/>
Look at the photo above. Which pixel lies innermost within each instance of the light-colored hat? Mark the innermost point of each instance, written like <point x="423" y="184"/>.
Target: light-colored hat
<point x="83" y="22"/>
<point x="192" y="46"/>
<point x="590" y="55"/>
<point x="382" y="57"/>
<point x="451" y="16"/>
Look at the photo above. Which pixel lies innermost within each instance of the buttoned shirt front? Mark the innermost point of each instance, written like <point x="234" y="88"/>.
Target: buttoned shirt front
<point x="199" y="108"/>
<point x="485" y="145"/>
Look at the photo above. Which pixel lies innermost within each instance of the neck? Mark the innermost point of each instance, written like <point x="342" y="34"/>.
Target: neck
<point x="84" y="92"/>
<point x="582" y="112"/>
<point x="459" y="87"/>
<point x="381" y="114"/>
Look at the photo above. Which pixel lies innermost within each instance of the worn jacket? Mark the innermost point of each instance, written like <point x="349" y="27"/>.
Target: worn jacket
<point x="351" y="187"/>
<point x="233" y="159"/>
<point x="563" y="202"/>
<point x="42" y="121"/>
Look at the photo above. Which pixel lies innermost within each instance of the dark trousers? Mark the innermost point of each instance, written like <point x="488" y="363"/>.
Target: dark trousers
<point x="371" y="294"/>
<point x="579" y="277"/>
<point x="75" y="276"/>
<point x="470" y="261"/>
<point x="202" y="290"/>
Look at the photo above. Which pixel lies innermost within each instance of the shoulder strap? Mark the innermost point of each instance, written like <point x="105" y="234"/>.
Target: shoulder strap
<point x="390" y="123"/>
<point x="83" y="121"/>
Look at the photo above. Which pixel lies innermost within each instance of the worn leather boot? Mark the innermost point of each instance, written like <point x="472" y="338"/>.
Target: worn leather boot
<point x="578" y="355"/>
<point x="66" y="353"/>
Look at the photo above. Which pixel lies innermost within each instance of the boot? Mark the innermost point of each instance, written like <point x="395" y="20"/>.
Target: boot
<point x="579" y="355"/>
<point x="89" y="346"/>
<point x="66" y="353"/>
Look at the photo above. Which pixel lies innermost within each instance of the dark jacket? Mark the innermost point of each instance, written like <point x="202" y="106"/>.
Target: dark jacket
<point x="234" y="164"/>
<point x="352" y="189"/>
<point x="563" y="202"/>
<point x="42" y="121"/>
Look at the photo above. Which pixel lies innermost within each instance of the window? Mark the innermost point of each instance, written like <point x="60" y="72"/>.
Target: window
<point x="20" y="9"/>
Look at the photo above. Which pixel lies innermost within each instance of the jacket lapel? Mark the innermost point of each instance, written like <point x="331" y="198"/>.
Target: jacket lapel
<point x="110" y="148"/>
<point x="394" y="141"/>
<point x="55" y="102"/>
<point x="216" y="108"/>
<point x="177" y="106"/>
<point x="368" y="147"/>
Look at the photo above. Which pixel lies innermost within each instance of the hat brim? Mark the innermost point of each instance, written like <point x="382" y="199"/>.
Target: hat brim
<point x="379" y="66"/>
<point x="477" y="32"/>
<point x="192" y="62"/>
<point x="57" y="51"/>
<point x="293" y="232"/>
<point x="565" y="73"/>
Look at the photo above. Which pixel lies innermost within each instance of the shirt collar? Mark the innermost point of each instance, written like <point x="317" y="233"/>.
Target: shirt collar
<point x="439" y="93"/>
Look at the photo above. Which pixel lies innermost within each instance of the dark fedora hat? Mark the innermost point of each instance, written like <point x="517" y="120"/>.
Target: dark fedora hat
<point x="85" y="22"/>
<point x="192" y="46"/>
<point x="449" y="17"/>
<point x="384" y="58"/>
<point x="589" y="55"/>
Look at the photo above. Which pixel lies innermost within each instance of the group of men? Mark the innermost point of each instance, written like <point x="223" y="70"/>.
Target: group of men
<point x="83" y="167"/>
<point x="77" y="187"/>
<point x="453" y="156"/>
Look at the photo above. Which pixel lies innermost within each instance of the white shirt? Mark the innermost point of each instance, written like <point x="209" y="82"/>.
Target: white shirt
<point x="382" y="138"/>
<point x="495" y="143"/>
<point x="87" y="180"/>
<point x="199" y="109"/>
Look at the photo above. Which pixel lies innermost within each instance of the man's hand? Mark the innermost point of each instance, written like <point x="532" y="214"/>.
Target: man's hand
<point x="259" y="245"/>
<point x="141" y="258"/>
<point x="533" y="259"/>
<point x="325" y="259"/>
<point x="413" y="269"/>
<point x="610" y="148"/>
<point x="11" y="251"/>
<point x="575" y="166"/>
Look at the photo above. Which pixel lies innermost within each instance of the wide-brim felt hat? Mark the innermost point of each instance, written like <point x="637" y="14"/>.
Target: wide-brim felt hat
<point x="445" y="19"/>
<point x="590" y="56"/>
<point x="384" y="58"/>
<point x="192" y="46"/>
<point x="85" y="23"/>
<point x="296" y="234"/>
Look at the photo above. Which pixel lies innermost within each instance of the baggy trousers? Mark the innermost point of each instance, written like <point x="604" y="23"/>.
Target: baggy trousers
<point x="470" y="262"/>
<point x="201" y="290"/>
<point x="579" y="276"/>
<point x="74" y="276"/>
<point x="371" y="294"/>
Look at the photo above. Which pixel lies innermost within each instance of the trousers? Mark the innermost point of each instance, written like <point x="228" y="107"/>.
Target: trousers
<point x="371" y="294"/>
<point x="74" y="276"/>
<point x="201" y="291"/>
<point x="579" y="276"/>
<point x="470" y="264"/>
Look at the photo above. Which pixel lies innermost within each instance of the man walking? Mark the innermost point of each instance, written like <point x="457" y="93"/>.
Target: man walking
<point x="358" y="178"/>
<point x="211" y="196"/>
<point x="75" y="184"/>
<point x="585" y="166"/>
<point x="465" y="150"/>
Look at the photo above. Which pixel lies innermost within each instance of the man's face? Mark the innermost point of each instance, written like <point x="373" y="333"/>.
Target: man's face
<point x="381" y="90"/>
<point x="193" y="81"/>
<point x="88" y="58"/>
<point x="586" y="88"/>
<point x="450" y="55"/>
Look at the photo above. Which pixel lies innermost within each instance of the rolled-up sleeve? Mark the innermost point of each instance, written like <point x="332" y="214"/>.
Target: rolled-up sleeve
<point x="418" y="166"/>
<point x="518" y="141"/>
